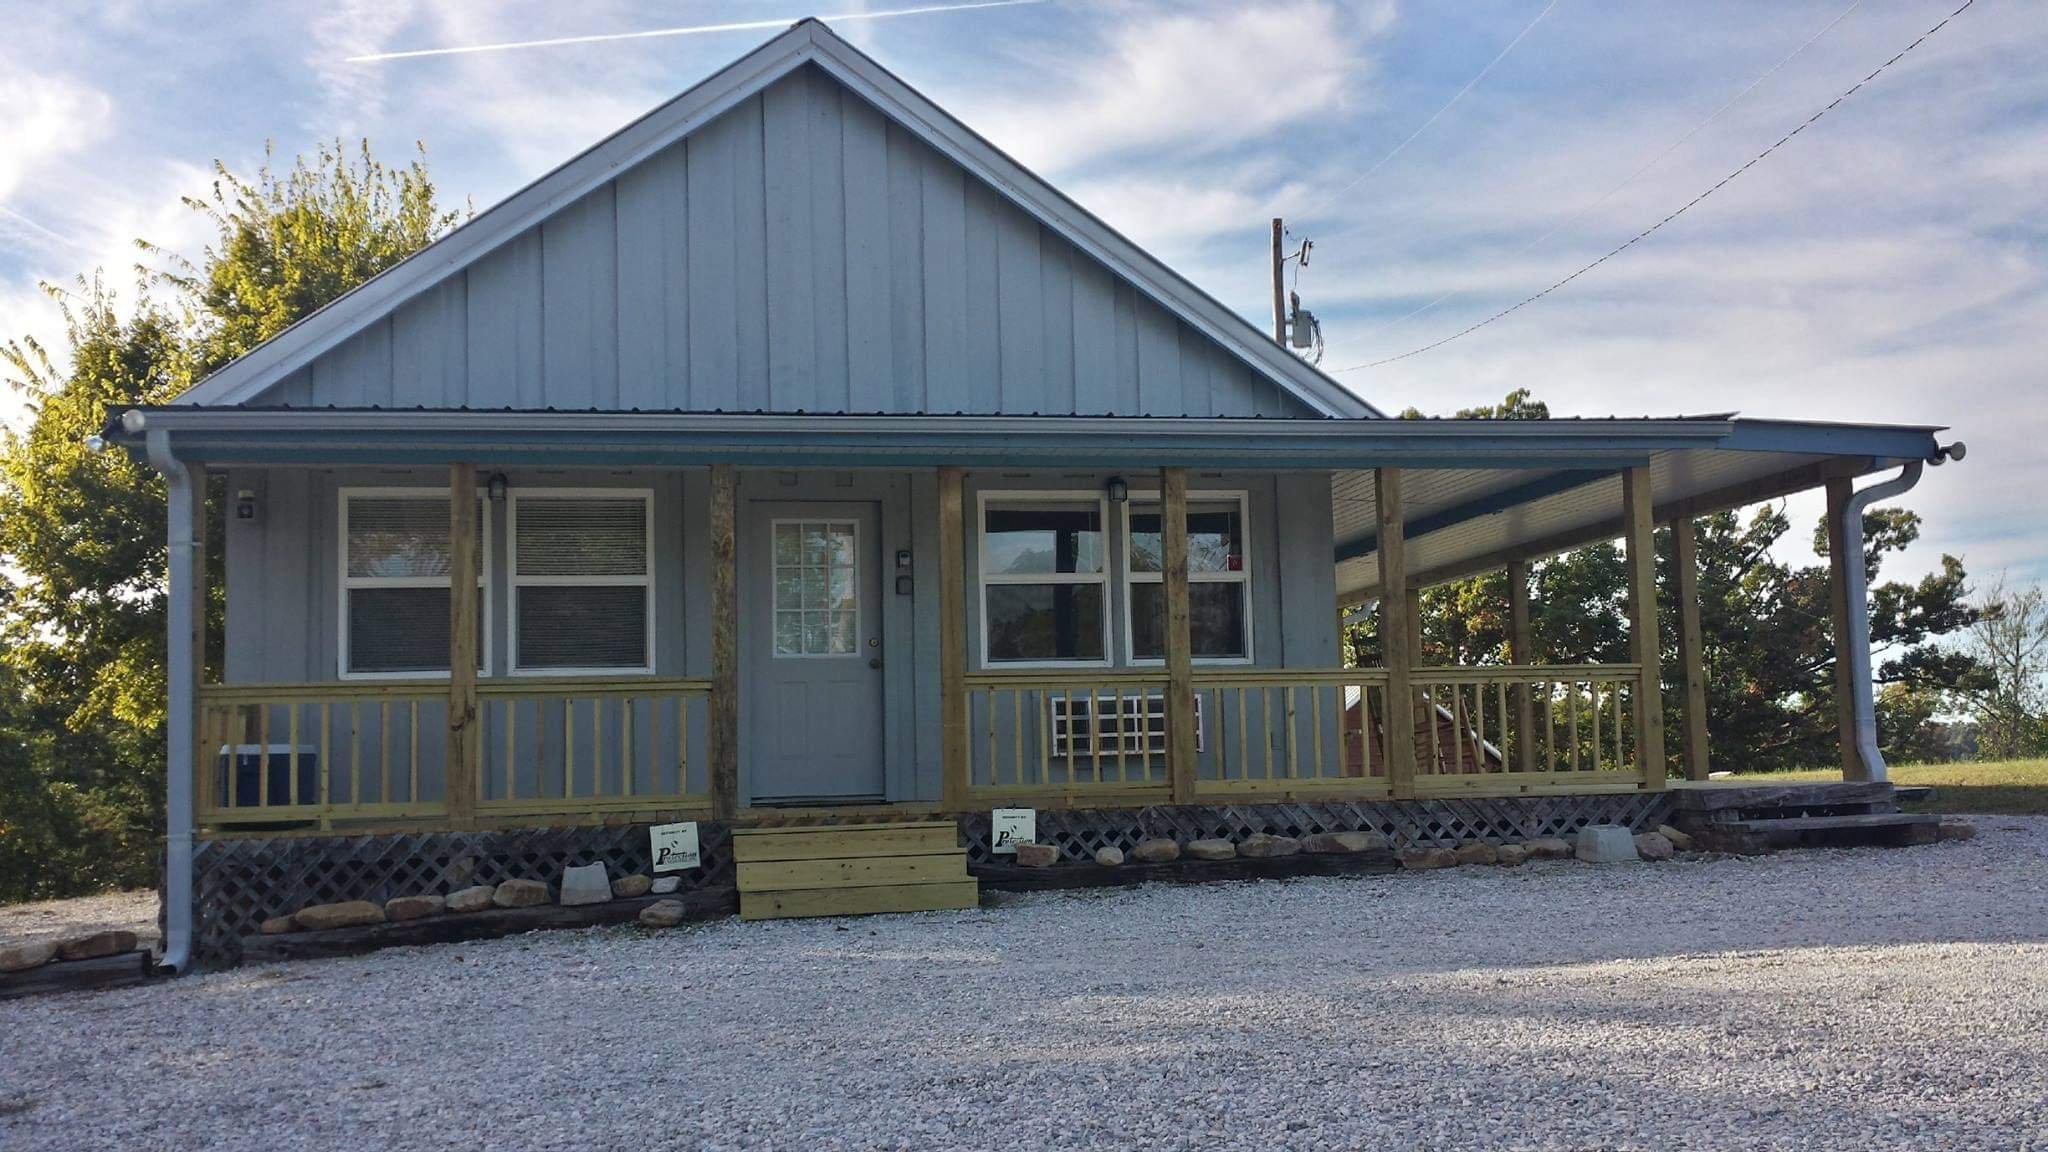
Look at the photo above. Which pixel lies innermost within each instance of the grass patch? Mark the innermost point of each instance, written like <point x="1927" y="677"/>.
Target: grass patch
<point x="2013" y="787"/>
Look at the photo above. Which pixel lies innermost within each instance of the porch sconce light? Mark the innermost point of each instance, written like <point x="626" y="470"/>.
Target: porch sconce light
<point x="496" y="486"/>
<point x="1118" y="490"/>
<point x="245" y="505"/>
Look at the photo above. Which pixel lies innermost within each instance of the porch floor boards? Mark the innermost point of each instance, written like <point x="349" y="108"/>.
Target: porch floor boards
<point x="851" y="870"/>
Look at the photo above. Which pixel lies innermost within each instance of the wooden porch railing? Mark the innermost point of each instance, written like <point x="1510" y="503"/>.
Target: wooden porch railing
<point x="1034" y="735"/>
<point x="375" y="751"/>
<point x="1508" y="729"/>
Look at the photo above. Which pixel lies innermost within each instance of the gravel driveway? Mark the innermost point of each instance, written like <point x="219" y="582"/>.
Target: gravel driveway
<point x="1825" y="999"/>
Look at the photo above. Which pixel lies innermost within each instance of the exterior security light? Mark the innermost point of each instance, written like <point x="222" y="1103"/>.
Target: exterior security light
<point x="496" y="486"/>
<point x="1118" y="490"/>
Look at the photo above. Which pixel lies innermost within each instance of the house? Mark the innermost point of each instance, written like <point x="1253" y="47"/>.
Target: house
<point x="795" y="455"/>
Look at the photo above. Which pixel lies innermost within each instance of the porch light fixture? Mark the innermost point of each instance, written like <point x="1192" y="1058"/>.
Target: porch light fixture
<point x="245" y="505"/>
<point x="496" y="486"/>
<point x="1118" y="490"/>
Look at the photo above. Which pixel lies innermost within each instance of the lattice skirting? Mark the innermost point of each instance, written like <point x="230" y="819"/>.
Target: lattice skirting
<point x="1405" y="823"/>
<point x="237" y="884"/>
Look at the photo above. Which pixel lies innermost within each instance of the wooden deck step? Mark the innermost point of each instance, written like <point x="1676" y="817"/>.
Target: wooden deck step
<point x="1887" y="828"/>
<point x="851" y="870"/>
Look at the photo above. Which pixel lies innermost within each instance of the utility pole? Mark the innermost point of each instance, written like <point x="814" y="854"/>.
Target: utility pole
<point x="1279" y="285"/>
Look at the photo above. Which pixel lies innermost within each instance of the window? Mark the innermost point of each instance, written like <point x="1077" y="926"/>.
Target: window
<point x="817" y="595"/>
<point x="582" y="581"/>
<point x="1044" y="580"/>
<point x="394" y="583"/>
<point x="1219" y="578"/>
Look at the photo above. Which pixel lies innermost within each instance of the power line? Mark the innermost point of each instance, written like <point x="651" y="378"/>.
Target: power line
<point x="1652" y="162"/>
<point x="1680" y="211"/>
<point x="1469" y="85"/>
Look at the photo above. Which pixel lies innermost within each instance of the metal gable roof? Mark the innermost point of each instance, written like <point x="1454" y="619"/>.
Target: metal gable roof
<point x="808" y="42"/>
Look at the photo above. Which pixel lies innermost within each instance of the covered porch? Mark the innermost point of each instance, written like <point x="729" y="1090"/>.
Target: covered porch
<point x="1394" y="506"/>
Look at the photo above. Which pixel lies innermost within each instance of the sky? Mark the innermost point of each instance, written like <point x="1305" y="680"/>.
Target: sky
<point x="1889" y="263"/>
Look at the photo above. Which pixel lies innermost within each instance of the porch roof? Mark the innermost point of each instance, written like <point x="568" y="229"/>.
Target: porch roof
<point x="1482" y="492"/>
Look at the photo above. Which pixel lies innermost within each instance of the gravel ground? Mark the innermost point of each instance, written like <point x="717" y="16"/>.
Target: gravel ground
<point x="1826" y="999"/>
<point x="56" y="919"/>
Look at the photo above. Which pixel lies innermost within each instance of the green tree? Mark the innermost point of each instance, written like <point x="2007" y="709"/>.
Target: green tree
<point x="82" y="560"/>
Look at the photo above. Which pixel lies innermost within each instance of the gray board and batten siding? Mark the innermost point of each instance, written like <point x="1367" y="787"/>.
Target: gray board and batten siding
<point x="801" y="252"/>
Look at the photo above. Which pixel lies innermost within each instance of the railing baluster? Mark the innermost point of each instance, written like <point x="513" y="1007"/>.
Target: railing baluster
<point x="1315" y="716"/>
<point x="1123" y="743"/>
<point x="384" y="750"/>
<point x="508" y="713"/>
<point x="1044" y="738"/>
<point x="682" y="743"/>
<point x="1478" y="727"/>
<point x="568" y="747"/>
<point x="1549" y="730"/>
<point x="1016" y="739"/>
<point x="414" y="770"/>
<point x="626" y="746"/>
<point x="326" y="790"/>
<point x="263" y="755"/>
<point x="1293" y="766"/>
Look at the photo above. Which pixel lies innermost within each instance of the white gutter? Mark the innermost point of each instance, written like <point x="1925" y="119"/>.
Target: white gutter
<point x="1862" y="696"/>
<point x="181" y="673"/>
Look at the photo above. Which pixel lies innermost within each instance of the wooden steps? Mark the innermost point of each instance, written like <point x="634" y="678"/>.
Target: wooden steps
<point x="851" y="870"/>
<point x="1763" y="818"/>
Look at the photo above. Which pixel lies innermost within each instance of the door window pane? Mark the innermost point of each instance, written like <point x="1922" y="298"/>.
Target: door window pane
<point x="817" y="581"/>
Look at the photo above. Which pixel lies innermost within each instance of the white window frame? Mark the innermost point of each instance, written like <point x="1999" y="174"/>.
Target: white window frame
<point x="983" y="579"/>
<point x="1244" y="577"/>
<point x="774" y="605"/>
<point x="516" y="581"/>
<point x="347" y="583"/>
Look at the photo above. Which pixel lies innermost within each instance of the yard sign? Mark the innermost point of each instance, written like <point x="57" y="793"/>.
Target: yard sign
<point x="1009" y="827"/>
<point x="674" y="846"/>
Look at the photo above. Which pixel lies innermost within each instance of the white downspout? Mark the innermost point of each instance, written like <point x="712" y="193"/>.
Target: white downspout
<point x="1856" y="645"/>
<point x="181" y="673"/>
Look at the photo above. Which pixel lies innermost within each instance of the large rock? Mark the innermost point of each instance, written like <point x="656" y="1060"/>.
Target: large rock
<point x="663" y="914"/>
<point x="521" y="894"/>
<point x="1511" y="855"/>
<point x="1425" y="859"/>
<point x="278" y="926"/>
<point x="347" y="914"/>
<point x="23" y="957"/>
<point x="1606" y="844"/>
<point x="1343" y="843"/>
<point x="1479" y="853"/>
<point x="1156" y="851"/>
<point x="109" y="943"/>
<point x="1548" y="848"/>
<point x="1259" y="846"/>
<point x="402" y="908"/>
<point x="629" y="887"/>
<point x="1037" y="855"/>
<point x="586" y="884"/>
<point x="1211" y="849"/>
<point x="474" y="899"/>
<point x="1109" y="856"/>
<point x="1679" y="840"/>
<point x="1653" y="846"/>
<point x="663" y="885"/>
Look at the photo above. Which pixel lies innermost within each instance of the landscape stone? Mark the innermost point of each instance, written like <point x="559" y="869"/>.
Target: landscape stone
<point x="663" y="914"/>
<point x="586" y="884"/>
<point x="519" y="894"/>
<point x="1037" y="855"/>
<point x="23" y="957"/>
<point x="1259" y="846"/>
<point x="1479" y="853"/>
<point x="1957" y="830"/>
<point x="1548" y="848"/>
<point x="109" y="943"/>
<point x="474" y="899"/>
<point x="402" y="908"/>
<point x="1424" y="859"/>
<point x="1211" y="849"/>
<point x="663" y="885"/>
<point x="1511" y="855"/>
<point x="278" y="926"/>
<point x="1156" y="851"/>
<point x="1606" y="844"/>
<point x="628" y="887"/>
<point x="1653" y="846"/>
<point x="347" y="914"/>
<point x="1109" y="856"/>
<point x="1342" y="843"/>
<point x="1679" y="840"/>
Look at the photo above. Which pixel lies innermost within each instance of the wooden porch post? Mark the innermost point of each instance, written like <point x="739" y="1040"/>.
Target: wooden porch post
<point x="459" y="787"/>
<point x="723" y="740"/>
<point x="1690" y="646"/>
<point x="953" y="782"/>
<point x="1522" y="650"/>
<point x="1397" y="617"/>
<point x="1180" y="668"/>
<point x="1645" y="650"/>
<point x="1841" y="553"/>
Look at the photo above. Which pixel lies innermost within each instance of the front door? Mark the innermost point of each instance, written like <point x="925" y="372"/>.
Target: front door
<point x="811" y="641"/>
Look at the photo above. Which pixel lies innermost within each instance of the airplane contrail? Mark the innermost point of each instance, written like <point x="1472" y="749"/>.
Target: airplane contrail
<point x="695" y="30"/>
